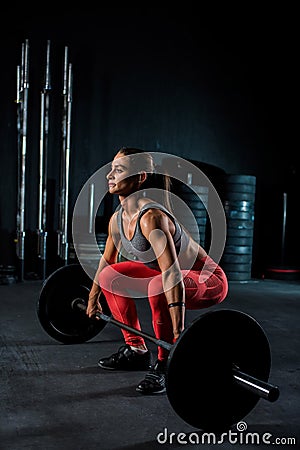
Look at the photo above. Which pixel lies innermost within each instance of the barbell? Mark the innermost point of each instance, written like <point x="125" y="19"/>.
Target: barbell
<point x="217" y="370"/>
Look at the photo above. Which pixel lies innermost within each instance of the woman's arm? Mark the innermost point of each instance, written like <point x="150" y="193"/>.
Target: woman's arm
<point x="109" y="256"/>
<point x="156" y="227"/>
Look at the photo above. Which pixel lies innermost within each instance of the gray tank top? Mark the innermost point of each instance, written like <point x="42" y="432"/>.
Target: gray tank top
<point x="138" y="247"/>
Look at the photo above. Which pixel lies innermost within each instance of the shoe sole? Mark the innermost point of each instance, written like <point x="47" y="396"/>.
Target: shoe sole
<point x="106" y="368"/>
<point x="163" y="391"/>
<point x="134" y="369"/>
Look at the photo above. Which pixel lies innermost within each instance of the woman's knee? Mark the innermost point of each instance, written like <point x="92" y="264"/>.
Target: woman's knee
<point x="155" y="289"/>
<point x="220" y="293"/>
<point x="106" y="277"/>
<point x="223" y="295"/>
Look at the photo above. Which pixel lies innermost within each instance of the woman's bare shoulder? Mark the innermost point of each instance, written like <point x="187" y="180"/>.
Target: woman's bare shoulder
<point x="113" y="223"/>
<point x="155" y="218"/>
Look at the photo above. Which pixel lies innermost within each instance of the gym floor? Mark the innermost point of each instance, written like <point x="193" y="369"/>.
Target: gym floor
<point x="54" y="396"/>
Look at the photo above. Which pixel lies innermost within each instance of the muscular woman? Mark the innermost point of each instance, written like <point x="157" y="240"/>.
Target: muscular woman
<point x="165" y="264"/>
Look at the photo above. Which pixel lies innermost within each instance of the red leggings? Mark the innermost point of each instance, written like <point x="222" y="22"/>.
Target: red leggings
<point x="121" y="282"/>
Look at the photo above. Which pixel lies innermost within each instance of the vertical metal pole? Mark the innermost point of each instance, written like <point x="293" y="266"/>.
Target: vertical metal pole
<point x="67" y="164"/>
<point x="283" y="227"/>
<point x="41" y="165"/>
<point x="62" y="184"/>
<point x="44" y="137"/>
<point x="22" y="87"/>
<point x="91" y="206"/>
<point x="19" y="144"/>
<point x="63" y="245"/>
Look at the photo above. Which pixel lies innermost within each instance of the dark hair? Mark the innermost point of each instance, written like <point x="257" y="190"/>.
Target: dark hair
<point x="144" y="162"/>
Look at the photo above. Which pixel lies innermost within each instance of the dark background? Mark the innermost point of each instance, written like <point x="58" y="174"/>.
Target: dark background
<point x="219" y="89"/>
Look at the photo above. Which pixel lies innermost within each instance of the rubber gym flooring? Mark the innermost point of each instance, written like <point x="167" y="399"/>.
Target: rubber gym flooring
<point x="54" y="396"/>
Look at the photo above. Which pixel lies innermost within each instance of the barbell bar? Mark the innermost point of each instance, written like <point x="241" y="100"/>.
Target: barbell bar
<point x="217" y="370"/>
<point x="80" y="304"/>
<point x="262" y="389"/>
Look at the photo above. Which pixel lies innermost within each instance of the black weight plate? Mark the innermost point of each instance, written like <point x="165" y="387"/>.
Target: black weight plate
<point x="238" y="276"/>
<point x="236" y="232"/>
<point x="238" y="249"/>
<point x="239" y="187"/>
<point x="237" y="224"/>
<point x="200" y="383"/>
<point x="195" y="213"/>
<point x="230" y="240"/>
<point x="196" y="218"/>
<point x="243" y="179"/>
<point x="239" y="205"/>
<point x="236" y="267"/>
<point x="191" y="191"/>
<point x="54" y="309"/>
<point x="239" y="196"/>
<point x="239" y="259"/>
<point x="239" y="215"/>
<point x="197" y="204"/>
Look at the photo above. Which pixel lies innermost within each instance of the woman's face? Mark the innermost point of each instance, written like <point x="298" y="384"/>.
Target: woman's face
<point x="121" y="181"/>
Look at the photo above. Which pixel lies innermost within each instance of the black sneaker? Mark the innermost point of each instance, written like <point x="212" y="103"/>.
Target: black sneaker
<point x="155" y="381"/>
<point x="126" y="359"/>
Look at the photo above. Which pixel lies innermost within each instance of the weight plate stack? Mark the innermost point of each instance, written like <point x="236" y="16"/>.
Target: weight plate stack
<point x="191" y="209"/>
<point x="239" y="206"/>
<point x="86" y="248"/>
<point x="8" y="274"/>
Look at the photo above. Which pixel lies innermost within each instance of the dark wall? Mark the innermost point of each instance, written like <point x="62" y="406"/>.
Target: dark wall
<point x="158" y="79"/>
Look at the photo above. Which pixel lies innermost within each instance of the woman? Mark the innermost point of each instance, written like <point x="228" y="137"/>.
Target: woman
<point x="166" y="265"/>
